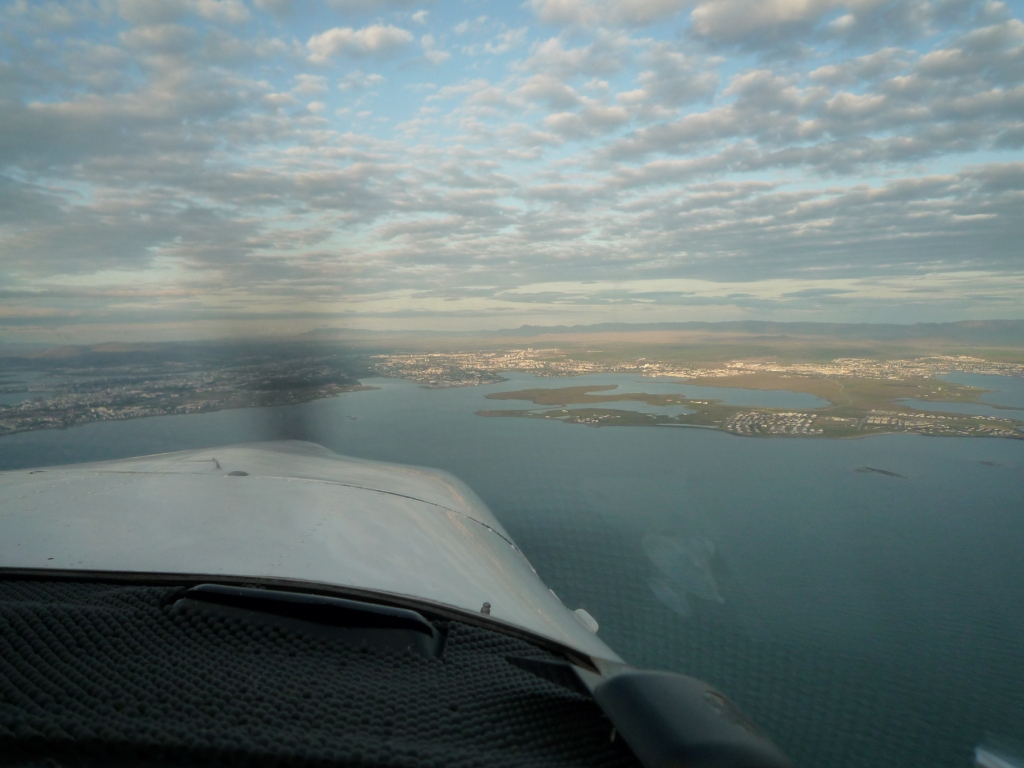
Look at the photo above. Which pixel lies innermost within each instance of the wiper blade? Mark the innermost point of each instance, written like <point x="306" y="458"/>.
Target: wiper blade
<point x="353" y="621"/>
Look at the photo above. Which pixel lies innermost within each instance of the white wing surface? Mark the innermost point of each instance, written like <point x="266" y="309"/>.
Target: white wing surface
<point x="284" y="511"/>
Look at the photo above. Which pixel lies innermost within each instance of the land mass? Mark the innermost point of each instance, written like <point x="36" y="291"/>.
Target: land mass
<point x="870" y="375"/>
<point x="64" y="387"/>
<point x="857" y="407"/>
<point x="703" y="342"/>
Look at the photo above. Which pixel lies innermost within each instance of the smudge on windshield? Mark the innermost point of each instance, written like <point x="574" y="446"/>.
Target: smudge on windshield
<point x="684" y="569"/>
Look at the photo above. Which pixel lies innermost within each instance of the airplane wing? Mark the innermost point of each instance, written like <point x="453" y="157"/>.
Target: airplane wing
<point x="277" y="601"/>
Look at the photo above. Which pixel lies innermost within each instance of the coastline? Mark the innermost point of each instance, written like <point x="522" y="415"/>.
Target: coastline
<point x="226" y="407"/>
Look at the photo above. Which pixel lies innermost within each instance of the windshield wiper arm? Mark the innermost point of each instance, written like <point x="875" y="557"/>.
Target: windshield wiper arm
<point x="363" y="623"/>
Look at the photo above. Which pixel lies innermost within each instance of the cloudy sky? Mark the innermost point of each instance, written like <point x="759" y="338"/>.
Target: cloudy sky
<point x="196" y="168"/>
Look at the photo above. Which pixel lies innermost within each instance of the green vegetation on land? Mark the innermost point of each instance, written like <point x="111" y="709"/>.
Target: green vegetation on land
<point x="857" y="407"/>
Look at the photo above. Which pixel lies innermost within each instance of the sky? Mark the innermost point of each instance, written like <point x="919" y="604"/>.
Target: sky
<point x="174" y="169"/>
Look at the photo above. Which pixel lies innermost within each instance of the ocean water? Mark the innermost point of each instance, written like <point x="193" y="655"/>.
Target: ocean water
<point x="968" y="409"/>
<point x="861" y="619"/>
<point x="660" y="386"/>
<point x="16" y="379"/>
<point x="627" y="384"/>
<point x="13" y="398"/>
<point x="1006" y="392"/>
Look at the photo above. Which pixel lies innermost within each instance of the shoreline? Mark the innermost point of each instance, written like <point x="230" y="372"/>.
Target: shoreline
<point x="84" y="423"/>
<point x="870" y="407"/>
<point x="969" y="425"/>
<point x="861" y="436"/>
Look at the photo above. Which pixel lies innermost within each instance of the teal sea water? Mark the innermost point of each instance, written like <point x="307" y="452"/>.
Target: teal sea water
<point x="862" y="619"/>
<point x="1004" y="401"/>
<point x="18" y="379"/>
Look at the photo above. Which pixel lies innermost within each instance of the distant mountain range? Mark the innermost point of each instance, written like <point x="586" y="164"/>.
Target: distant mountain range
<point x="994" y="333"/>
<point x="127" y="353"/>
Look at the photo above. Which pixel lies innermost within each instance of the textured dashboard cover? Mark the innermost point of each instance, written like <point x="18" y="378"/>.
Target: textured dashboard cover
<point x="94" y="674"/>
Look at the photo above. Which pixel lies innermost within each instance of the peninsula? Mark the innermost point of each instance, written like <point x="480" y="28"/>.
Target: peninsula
<point x="73" y="386"/>
<point x="857" y="407"/>
<point x="873" y="379"/>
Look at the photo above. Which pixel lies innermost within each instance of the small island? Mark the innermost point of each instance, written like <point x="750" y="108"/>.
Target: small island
<point x="857" y="407"/>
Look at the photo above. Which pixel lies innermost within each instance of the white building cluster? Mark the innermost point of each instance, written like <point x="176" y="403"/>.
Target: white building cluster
<point x="762" y="423"/>
<point x="453" y="368"/>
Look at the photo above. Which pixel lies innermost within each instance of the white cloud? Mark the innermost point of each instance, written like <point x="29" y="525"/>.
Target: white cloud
<point x="307" y="84"/>
<point x="467" y="25"/>
<point x="233" y="11"/>
<point x="672" y="80"/>
<point x="374" y="40"/>
<point x="881" y="63"/>
<point x="276" y="100"/>
<point x="152" y="11"/>
<point x="280" y="7"/>
<point x="845" y="22"/>
<point x="358" y="80"/>
<point x="607" y="55"/>
<point x="431" y="52"/>
<point x="854" y="105"/>
<point x="548" y="90"/>
<point x="160" y="38"/>
<point x="590" y="13"/>
<point x="172" y="138"/>
<point x="506" y="41"/>
<point x="162" y="11"/>
<point x="503" y="42"/>
<point x="796" y="24"/>
<point x="732" y="19"/>
<point x="369" y="5"/>
<point x="470" y="87"/>
<point x="593" y="120"/>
